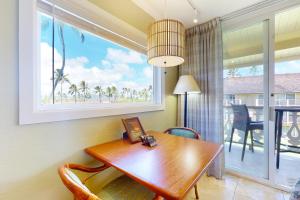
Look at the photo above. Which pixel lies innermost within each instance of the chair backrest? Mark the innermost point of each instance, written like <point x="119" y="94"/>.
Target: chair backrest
<point x="240" y="117"/>
<point x="183" y="132"/>
<point x="74" y="184"/>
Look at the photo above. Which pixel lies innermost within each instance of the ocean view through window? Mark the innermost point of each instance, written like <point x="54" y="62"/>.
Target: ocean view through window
<point x="78" y="67"/>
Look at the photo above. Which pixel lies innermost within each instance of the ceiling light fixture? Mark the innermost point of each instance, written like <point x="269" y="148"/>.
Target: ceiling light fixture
<point x="166" y="40"/>
<point x="195" y="20"/>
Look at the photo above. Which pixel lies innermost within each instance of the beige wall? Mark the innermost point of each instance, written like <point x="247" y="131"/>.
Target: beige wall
<point x="30" y="155"/>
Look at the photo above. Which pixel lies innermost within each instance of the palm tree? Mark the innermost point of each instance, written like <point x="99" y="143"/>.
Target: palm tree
<point x="73" y="90"/>
<point x="109" y="93"/>
<point x="130" y="92"/>
<point x="100" y="92"/>
<point x="114" y="92"/>
<point x="233" y="72"/>
<point x="134" y="94"/>
<point x="84" y="88"/>
<point x="123" y="93"/>
<point x="127" y="92"/>
<point x="60" y="79"/>
<point x="62" y="41"/>
<point x="150" y="90"/>
<point x="144" y="94"/>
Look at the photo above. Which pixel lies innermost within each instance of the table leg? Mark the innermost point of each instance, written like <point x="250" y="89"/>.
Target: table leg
<point x="157" y="197"/>
<point x="279" y="134"/>
<point x="196" y="191"/>
<point x="276" y="128"/>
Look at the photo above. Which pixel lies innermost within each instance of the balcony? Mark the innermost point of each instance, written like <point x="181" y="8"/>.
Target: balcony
<point x="254" y="162"/>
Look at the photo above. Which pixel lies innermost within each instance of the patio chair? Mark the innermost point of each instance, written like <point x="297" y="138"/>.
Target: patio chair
<point x="243" y="122"/>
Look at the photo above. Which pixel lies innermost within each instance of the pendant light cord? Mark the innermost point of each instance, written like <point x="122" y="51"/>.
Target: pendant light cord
<point x="165" y="9"/>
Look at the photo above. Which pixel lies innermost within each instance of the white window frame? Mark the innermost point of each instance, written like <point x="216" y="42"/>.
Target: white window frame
<point x="30" y="110"/>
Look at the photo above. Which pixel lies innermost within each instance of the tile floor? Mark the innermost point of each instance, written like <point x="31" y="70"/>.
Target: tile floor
<point x="253" y="164"/>
<point x="234" y="188"/>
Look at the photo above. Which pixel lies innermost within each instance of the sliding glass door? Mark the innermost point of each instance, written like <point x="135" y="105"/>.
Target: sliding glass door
<point x="261" y="73"/>
<point x="286" y="89"/>
<point x="245" y="136"/>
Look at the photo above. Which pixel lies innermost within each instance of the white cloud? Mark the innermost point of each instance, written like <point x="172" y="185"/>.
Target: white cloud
<point x="121" y="56"/>
<point x="148" y="72"/>
<point x="132" y="84"/>
<point x="129" y="84"/>
<point x="46" y="69"/>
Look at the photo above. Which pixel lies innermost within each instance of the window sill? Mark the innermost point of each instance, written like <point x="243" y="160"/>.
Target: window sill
<point x="57" y="113"/>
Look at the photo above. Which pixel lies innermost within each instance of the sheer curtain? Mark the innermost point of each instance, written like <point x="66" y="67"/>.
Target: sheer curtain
<point x="204" y="61"/>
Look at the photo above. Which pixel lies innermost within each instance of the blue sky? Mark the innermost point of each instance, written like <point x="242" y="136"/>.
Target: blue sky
<point x="127" y="68"/>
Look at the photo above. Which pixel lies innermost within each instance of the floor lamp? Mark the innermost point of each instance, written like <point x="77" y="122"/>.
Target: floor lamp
<point x="186" y="84"/>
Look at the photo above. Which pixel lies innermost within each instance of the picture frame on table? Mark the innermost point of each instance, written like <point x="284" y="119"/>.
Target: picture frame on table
<point x="134" y="129"/>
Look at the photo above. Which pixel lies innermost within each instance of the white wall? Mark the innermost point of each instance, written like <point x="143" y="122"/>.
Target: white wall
<point x="30" y="155"/>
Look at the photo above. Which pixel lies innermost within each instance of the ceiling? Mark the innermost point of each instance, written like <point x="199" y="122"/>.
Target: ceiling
<point x="182" y="11"/>
<point x="244" y="47"/>
<point x="127" y="11"/>
<point x="141" y="13"/>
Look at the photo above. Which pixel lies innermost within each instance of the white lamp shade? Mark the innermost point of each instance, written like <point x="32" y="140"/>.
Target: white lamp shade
<point x="186" y="83"/>
<point x="166" y="61"/>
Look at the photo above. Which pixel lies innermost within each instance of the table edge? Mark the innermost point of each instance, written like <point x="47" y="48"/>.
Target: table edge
<point x="152" y="187"/>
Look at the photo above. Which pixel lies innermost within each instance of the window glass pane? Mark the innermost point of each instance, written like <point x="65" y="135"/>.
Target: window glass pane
<point x="90" y="69"/>
<point x="244" y="100"/>
<point x="45" y="58"/>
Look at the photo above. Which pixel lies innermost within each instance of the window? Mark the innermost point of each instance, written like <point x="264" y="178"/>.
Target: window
<point x="80" y="69"/>
<point x="229" y="99"/>
<point x="290" y="96"/>
<point x="260" y="96"/>
<point x="290" y="99"/>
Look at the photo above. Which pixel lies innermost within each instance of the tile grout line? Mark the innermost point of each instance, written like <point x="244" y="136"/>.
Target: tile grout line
<point x="238" y="182"/>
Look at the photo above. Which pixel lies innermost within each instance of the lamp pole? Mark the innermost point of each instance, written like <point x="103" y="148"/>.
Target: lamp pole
<point x="186" y="84"/>
<point x="185" y="109"/>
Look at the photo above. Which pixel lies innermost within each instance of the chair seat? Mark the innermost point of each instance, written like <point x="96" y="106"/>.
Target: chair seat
<point x="124" y="188"/>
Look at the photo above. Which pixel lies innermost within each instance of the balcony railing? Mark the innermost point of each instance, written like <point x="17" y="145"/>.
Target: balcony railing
<point x="290" y="132"/>
<point x="285" y="102"/>
<point x="279" y="102"/>
<point x="228" y="102"/>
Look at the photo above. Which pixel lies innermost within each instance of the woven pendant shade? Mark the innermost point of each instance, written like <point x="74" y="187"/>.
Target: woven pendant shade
<point x="166" y="43"/>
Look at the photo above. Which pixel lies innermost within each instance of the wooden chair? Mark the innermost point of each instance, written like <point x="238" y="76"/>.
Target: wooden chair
<point x="243" y="122"/>
<point x="187" y="133"/>
<point x="122" y="188"/>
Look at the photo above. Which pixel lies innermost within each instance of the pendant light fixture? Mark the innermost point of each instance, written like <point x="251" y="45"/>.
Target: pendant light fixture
<point x="166" y="41"/>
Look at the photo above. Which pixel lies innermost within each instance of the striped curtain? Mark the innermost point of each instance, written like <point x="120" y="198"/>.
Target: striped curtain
<point x="204" y="61"/>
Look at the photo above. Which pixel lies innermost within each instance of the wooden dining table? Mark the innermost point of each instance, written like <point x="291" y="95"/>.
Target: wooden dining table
<point x="169" y="169"/>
